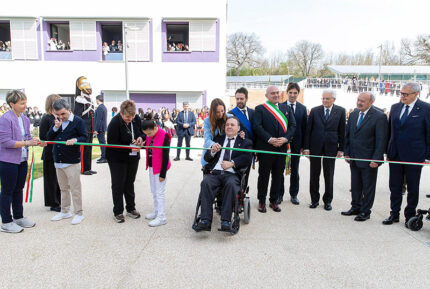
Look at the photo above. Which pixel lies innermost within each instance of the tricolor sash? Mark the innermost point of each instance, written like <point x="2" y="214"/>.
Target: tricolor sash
<point x="280" y="117"/>
<point x="242" y="118"/>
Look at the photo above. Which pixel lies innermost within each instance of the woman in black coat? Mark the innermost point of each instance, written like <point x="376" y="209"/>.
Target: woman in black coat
<point x="52" y="190"/>
<point x="125" y="129"/>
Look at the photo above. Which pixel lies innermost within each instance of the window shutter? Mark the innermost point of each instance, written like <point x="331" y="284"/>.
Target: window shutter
<point x="83" y="35"/>
<point x="24" y="39"/>
<point x="195" y="36"/>
<point x="137" y="39"/>
<point x="202" y="35"/>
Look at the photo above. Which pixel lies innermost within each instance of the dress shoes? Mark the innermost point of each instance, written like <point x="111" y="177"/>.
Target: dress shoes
<point x="93" y="172"/>
<point x="313" y="205"/>
<point x="102" y="161"/>
<point x="275" y="207"/>
<point x="188" y="159"/>
<point x="176" y="159"/>
<point x="55" y="209"/>
<point x="390" y="220"/>
<point x="280" y="200"/>
<point x="225" y="226"/>
<point x="295" y="201"/>
<point x="262" y="207"/>
<point x="205" y="224"/>
<point x="327" y="207"/>
<point x="350" y="212"/>
<point x="428" y="218"/>
<point x="361" y="217"/>
<point x="87" y="173"/>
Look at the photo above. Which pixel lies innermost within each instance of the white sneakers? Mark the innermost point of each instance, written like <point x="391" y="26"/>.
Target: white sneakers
<point x="157" y="222"/>
<point x="11" y="228"/>
<point x="77" y="219"/>
<point x="61" y="215"/>
<point x="151" y="216"/>
<point x="24" y="223"/>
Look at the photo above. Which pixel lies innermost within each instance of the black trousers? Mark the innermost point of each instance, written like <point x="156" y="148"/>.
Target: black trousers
<point x="123" y="175"/>
<point x="328" y="168"/>
<point x="363" y="186"/>
<point x="397" y="175"/>
<point x="209" y="188"/>
<point x="294" y="178"/>
<point x="270" y="164"/>
<point x="187" y="137"/>
<point x="88" y="153"/>
<point x="51" y="188"/>
<point x="102" y="140"/>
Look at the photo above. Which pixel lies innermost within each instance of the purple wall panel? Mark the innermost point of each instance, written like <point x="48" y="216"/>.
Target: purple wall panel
<point x="192" y="56"/>
<point x="154" y="101"/>
<point x="77" y="55"/>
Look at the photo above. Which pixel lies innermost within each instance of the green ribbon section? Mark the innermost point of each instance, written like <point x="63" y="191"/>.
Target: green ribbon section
<point x="245" y="150"/>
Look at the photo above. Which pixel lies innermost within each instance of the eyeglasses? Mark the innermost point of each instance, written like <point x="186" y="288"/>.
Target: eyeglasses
<point x="406" y="94"/>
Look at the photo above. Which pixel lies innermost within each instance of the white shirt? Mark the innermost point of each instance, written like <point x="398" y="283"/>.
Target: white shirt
<point x="245" y="111"/>
<point x="411" y="106"/>
<point x="24" y="149"/>
<point x="294" y="105"/>
<point x="364" y="114"/>
<point x="329" y="109"/>
<point x="221" y="157"/>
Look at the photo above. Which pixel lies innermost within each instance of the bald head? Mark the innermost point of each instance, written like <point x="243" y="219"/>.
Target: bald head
<point x="272" y="94"/>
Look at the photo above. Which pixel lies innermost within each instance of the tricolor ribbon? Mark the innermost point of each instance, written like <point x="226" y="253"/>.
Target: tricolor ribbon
<point x="30" y="179"/>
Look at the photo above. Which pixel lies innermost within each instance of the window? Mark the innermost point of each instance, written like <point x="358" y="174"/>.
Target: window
<point x="112" y="41"/>
<point x="5" y="44"/>
<point x="24" y="39"/>
<point x="59" y="36"/>
<point x="83" y="35"/>
<point x="177" y="37"/>
<point x="137" y="37"/>
<point x="194" y="35"/>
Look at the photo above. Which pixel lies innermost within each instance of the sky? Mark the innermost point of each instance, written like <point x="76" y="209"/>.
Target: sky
<point x="340" y="26"/>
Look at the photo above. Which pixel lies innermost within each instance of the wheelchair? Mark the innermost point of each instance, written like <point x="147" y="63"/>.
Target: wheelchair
<point x="416" y="223"/>
<point x="241" y="204"/>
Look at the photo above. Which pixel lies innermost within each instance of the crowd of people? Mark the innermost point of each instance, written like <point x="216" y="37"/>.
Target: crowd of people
<point x="177" y="47"/>
<point x="364" y="140"/>
<point x="5" y="46"/>
<point x="114" y="47"/>
<point x="55" y="44"/>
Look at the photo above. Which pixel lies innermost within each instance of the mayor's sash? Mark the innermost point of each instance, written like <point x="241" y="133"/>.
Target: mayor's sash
<point x="242" y="118"/>
<point x="277" y="114"/>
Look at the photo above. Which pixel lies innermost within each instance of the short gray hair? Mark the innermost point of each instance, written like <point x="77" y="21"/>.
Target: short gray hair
<point x="59" y="104"/>
<point x="415" y="87"/>
<point x="14" y="96"/>
<point x="372" y="96"/>
<point x="332" y="92"/>
<point x="270" y="86"/>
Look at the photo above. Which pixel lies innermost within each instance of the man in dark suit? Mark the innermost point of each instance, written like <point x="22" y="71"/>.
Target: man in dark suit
<point x="274" y="126"/>
<point x="365" y="138"/>
<point x="325" y="135"/>
<point x="409" y="141"/>
<point x="296" y="145"/>
<point x="185" y="121"/>
<point x="100" y="126"/>
<point x="222" y="170"/>
<point x="243" y="113"/>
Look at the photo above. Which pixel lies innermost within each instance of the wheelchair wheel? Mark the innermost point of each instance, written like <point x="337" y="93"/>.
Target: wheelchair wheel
<point x="246" y="211"/>
<point x="235" y="225"/>
<point x="415" y="223"/>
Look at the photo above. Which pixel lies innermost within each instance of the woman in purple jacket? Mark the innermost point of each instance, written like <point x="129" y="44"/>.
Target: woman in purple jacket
<point x="15" y="138"/>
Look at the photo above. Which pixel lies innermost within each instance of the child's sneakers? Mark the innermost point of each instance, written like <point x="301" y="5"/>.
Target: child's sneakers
<point x="151" y="216"/>
<point x="157" y="222"/>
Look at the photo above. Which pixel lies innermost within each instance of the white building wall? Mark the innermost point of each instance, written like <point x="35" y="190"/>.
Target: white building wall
<point x="41" y="78"/>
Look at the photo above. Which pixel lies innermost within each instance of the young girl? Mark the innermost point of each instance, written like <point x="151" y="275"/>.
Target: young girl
<point x="157" y="160"/>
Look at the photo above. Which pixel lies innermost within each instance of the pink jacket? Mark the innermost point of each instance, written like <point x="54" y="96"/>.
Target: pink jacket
<point x="157" y="154"/>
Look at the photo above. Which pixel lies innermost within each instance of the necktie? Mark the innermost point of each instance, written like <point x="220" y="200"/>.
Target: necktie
<point x="360" y="119"/>
<point x="405" y="115"/>
<point x="327" y="114"/>
<point x="227" y="153"/>
<point x="244" y="112"/>
<point x="292" y="108"/>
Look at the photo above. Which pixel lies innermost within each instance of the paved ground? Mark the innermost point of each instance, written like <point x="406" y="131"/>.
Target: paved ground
<point x="297" y="248"/>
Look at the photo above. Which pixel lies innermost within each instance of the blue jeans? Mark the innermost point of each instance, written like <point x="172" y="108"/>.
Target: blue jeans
<point x="12" y="178"/>
<point x="102" y="140"/>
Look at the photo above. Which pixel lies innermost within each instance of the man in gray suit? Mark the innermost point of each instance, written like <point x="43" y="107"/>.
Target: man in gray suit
<point x="365" y="138"/>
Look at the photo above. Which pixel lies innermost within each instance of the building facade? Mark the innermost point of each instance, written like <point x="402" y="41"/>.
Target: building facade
<point x="175" y="50"/>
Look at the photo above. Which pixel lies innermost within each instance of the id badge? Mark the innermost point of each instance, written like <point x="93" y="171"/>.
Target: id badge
<point x="133" y="153"/>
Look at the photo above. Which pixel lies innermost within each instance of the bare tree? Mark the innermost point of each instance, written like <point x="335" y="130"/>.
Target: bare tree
<point x="389" y="55"/>
<point x="244" y="49"/>
<point x="417" y="51"/>
<point x="306" y="56"/>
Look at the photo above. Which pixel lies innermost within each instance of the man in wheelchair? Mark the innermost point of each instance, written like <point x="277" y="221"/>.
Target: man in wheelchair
<point x="222" y="171"/>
